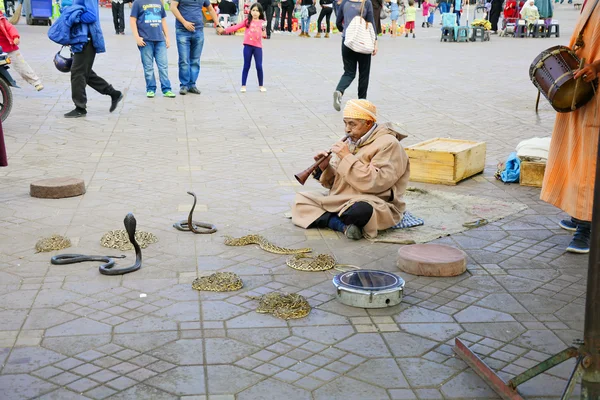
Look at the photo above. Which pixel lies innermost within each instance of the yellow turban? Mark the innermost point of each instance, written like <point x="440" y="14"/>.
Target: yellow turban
<point x="360" y="109"/>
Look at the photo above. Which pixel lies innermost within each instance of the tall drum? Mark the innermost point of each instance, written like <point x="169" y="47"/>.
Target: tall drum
<point x="552" y="73"/>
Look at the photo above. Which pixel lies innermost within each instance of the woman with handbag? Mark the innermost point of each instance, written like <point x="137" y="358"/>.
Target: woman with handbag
<point x="308" y="10"/>
<point x="359" y="42"/>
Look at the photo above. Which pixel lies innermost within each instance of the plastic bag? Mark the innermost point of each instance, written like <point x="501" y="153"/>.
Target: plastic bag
<point x="512" y="172"/>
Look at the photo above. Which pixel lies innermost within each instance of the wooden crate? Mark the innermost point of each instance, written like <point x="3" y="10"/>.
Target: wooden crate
<point x="532" y="173"/>
<point x="445" y="161"/>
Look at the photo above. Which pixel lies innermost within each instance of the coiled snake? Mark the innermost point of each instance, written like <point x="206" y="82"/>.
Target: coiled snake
<point x="283" y="305"/>
<point x="193" y="226"/>
<point x="299" y="260"/>
<point x="218" y="282"/>
<point x="263" y="243"/>
<point x="107" y="268"/>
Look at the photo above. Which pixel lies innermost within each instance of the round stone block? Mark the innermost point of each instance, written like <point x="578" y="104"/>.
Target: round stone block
<point x="432" y="260"/>
<point x="57" y="188"/>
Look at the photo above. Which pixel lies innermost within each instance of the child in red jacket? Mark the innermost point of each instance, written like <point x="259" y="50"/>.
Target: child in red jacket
<point x="9" y="40"/>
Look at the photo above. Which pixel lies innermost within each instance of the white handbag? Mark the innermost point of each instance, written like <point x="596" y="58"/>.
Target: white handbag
<point x="360" y="35"/>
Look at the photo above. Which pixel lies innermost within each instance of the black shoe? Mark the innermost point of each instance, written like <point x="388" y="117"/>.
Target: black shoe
<point x="581" y="239"/>
<point x="193" y="90"/>
<point x="183" y="91"/>
<point x="568" y="225"/>
<point x="76" y="113"/>
<point x="353" y="232"/>
<point x="116" y="98"/>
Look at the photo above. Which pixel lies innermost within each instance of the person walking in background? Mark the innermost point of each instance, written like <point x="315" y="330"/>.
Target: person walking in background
<point x="425" y="11"/>
<point x="458" y="10"/>
<point x="411" y="16"/>
<point x="394" y="15"/>
<point x="253" y="35"/>
<point x="570" y="174"/>
<point x="287" y="9"/>
<point x="276" y="14"/>
<point x="86" y="40"/>
<point x="189" y="33"/>
<point x="377" y="6"/>
<point x="346" y="13"/>
<point x="118" y="12"/>
<point x="149" y="26"/>
<point x="326" y="10"/>
<point x="495" y="11"/>
<point x="7" y="8"/>
<point x="305" y="15"/>
<point x="9" y="41"/>
<point x="268" y="13"/>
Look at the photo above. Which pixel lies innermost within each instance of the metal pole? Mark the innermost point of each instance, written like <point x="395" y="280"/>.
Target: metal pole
<point x="590" y="383"/>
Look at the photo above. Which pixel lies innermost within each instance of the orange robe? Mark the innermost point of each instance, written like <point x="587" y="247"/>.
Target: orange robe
<point x="571" y="168"/>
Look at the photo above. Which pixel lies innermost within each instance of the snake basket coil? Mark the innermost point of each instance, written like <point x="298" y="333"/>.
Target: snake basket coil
<point x="283" y="305"/>
<point x="218" y="282"/>
<point x="51" y="243"/>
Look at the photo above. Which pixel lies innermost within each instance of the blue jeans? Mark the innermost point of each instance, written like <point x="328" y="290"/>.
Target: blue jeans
<point x="305" y="24"/>
<point x="189" y="47"/>
<point x="155" y="51"/>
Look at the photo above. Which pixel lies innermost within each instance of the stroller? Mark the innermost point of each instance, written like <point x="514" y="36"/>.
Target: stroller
<point x="510" y="16"/>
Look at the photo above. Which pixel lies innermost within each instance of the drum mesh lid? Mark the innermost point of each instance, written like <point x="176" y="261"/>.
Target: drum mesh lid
<point x="370" y="280"/>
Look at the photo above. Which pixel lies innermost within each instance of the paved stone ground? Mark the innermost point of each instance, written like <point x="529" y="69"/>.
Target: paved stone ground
<point x="68" y="332"/>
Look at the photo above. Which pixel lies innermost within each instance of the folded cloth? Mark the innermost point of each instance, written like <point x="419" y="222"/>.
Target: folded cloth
<point x="512" y="172"/>
<point x="3" y="158"/>
<point x="408" y="221"/>
<point x="534" y="149"/>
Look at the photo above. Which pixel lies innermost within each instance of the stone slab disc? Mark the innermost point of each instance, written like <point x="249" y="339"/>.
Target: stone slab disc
<point x="432" y="260"/>
<point x="57" y="188"/>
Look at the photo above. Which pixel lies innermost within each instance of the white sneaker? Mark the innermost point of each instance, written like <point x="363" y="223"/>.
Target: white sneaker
<point x="243" y="89"/>
<point x="263" y="89"/>
<point x="39" y="87"/>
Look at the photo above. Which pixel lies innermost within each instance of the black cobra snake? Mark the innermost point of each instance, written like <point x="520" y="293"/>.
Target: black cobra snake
<point x="107" y="268"/>
<point x="193" y="226"/>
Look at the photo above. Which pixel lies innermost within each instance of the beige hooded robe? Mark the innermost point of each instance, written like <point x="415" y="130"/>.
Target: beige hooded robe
<point x="377" y="173"/>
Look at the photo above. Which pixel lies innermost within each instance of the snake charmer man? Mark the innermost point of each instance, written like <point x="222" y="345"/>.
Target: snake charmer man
<point x="366" y="175"/>
<point x="571" y="169"/>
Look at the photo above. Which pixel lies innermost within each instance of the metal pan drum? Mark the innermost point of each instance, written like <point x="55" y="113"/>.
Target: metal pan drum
<point x="369" y="288"/>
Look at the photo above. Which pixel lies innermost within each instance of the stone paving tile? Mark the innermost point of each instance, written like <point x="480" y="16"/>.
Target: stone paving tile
<point x="74" y="331"/>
